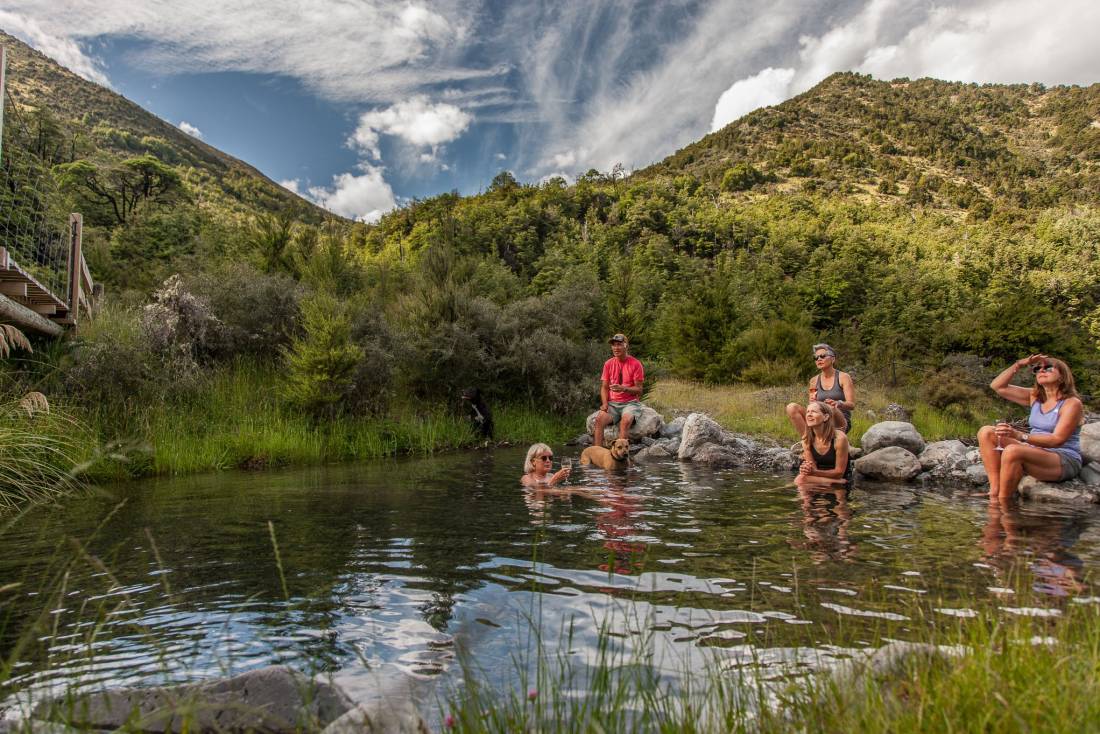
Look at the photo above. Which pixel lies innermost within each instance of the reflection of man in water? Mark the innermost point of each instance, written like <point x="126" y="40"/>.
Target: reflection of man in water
<point x="826" y="515"/>
<point x="1011" y="535"/>
<point x="616" y="523"/>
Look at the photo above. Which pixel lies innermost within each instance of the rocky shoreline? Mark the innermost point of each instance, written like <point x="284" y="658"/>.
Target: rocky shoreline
<point x="890" y="451"/>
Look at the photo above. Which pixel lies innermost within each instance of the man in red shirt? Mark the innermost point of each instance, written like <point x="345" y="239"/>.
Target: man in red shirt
<point x="620" y="390"/>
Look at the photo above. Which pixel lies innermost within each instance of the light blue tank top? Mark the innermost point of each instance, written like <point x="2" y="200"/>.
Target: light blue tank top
<point x="1043" y="424"/>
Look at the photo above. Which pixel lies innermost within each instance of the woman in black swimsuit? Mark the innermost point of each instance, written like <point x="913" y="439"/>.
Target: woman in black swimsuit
<point x="824" y="447"/>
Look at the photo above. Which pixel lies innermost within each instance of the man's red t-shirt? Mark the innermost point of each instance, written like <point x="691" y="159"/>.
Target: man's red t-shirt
<point x="628" y="373"/>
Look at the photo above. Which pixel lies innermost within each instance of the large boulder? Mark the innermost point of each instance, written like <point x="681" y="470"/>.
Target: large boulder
<point x="718" y="456"/>
<point x="1071" y="491"/>
<point x="647" y="424"/>
<point x="891" y="464"/>
<point x="392" y="716"/>
<point x="271" y="699"/>
<point x="944" y="456"/>
<point x="1090" y="442"/>
<point x="892" y="433"/>
<point x="656" y="452"/>
<point x="673" y="429"/>
<point x="975" y="474"/>
<point x="699" y="430"/>
<point x="1090" y="474"/>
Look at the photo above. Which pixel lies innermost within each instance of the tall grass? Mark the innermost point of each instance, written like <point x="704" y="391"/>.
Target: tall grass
<point x="234" y="418"/>
<point x="761" y="411"/>
<point x="41" y="452"/>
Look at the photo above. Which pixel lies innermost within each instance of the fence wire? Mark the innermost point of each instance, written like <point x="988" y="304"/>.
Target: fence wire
<point x="33" y="226"/>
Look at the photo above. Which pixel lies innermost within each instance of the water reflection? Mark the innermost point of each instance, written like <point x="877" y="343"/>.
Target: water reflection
<point x="395" y="564"/>
<point x="1013" y="536"/>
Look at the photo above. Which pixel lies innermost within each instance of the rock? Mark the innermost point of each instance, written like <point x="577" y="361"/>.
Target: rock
<point x="584" y="440"/>
<point x="393" y="716"/>
<point x="778" y="459"/>
<point x="896" y="412"/>
<point x="718" y="456"/>
<point x="1071" y="491"/>
<point x="1090" y="474"/>
<point x="889" y="661"/>
<point x="1090" y="442"/>
<point x="892" y="464"/>
<point x="892" y="433"/>
<point x="672" y="444"/>
<point x="976" y="474"/>
<point x="673" y="429"/>
<point x="271" y="699"/>
<point x="656" y="452"/>
<point x="649" y="423"/>
<point x="854" y="452"/>
<point x="699" y="429"/>
<point x="944" y="456"/>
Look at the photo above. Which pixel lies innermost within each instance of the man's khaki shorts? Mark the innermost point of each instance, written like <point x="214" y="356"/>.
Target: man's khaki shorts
<point x="618" y="410"/>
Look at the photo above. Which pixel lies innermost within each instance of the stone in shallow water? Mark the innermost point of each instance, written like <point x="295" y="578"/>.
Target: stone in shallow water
<point x="891" y="464"/>
<point x="892" y="433"/>
<point x="1071" y="491"/>
<point x="944" y="456"/>
<point x="699" y="429"/>
<point x="649" y="423"/>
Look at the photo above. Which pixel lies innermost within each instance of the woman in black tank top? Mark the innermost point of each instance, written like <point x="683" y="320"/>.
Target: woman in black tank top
<point x="824" y="448"/>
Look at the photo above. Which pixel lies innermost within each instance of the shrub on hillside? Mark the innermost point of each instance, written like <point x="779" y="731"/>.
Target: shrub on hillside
<point x="322" y="362"/>
<point x="180" y="326"/>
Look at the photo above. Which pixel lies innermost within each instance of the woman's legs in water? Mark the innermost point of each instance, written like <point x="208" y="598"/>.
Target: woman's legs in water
<point x="991" y="458"/>
<point x="1018" y="459"/>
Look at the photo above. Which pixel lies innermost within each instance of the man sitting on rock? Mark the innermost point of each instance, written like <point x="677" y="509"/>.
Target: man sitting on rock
<point x="620" y="390"/>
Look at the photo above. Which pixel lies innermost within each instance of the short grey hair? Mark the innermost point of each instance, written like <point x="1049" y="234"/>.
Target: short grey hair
<point x="529" y="462"/>
<point x="826" y="347"/>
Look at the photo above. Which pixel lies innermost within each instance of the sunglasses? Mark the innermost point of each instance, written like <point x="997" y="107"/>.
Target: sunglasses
<point x="545" y="458"/>
<point x="1042" y="368"/>
<point x="821" y="356"/>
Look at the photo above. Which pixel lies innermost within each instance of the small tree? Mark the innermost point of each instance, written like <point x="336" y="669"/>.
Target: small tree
<point x="741" y="178"/>
<point x="122" y="186"/>
<point x="321" y="364"/>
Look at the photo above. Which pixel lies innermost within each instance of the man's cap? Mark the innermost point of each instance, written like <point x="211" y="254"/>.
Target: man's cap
<point x="617" y="339"/>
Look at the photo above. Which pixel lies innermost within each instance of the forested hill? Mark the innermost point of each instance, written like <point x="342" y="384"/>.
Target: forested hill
<point x="68" y="119"/>
<point x="977" y="148"/>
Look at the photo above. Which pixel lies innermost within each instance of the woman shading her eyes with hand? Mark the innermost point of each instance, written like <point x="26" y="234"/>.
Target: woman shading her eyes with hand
<point x="1050" y="450"/>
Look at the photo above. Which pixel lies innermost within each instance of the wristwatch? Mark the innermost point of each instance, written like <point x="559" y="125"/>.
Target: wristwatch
<point x="1024" y="438"/>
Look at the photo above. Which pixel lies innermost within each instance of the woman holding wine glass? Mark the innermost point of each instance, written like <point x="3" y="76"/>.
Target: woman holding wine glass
<point x="1050" y="450"/>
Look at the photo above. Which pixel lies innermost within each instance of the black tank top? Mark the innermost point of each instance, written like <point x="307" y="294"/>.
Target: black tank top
<point x="836" y="392"/>
<point x="828" y="459"/>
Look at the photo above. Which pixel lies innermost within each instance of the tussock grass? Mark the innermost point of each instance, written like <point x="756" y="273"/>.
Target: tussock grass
<point x="41" y="452"/>
<point x="761" y="411"/>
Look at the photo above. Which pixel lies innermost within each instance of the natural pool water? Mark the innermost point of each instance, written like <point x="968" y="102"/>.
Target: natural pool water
<point x="406" y="565"/>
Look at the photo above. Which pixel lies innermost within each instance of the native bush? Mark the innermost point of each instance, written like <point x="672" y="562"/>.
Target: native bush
<point x="180" y="327"/>
<point x="321" y="364"/>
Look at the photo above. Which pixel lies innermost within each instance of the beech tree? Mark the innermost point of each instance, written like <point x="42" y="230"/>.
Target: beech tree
<point x="121" y="186"/>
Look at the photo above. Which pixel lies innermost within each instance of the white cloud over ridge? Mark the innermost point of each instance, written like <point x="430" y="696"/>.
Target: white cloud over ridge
<point x="58" y="47"/>
<point x="365" y="196"/>
<point x="190" y="129"/>
<point x="994" y="41"/>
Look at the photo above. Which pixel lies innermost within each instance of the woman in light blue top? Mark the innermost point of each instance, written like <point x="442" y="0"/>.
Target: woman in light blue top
<point x="1051" y="450"/>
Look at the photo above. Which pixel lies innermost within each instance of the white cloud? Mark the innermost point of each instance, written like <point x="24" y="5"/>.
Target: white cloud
<point x="417" y="121"/>
<point x="769" y="87"/>
<point x="190" y="129"/>
<point x="293" y="185"/>
<point x="61" y="49"/>
<point x="995" y="41"/>
<point x="365" y="196"/>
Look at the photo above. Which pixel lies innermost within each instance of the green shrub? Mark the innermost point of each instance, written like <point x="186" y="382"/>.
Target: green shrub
<point x="322" y="362"/>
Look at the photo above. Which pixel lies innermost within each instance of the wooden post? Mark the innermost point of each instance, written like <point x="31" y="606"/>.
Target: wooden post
<point x="76" y="232"/>
<point x="3" y="94"/>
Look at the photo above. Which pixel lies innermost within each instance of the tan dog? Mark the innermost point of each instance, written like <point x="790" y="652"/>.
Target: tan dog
<point x="617" y="457"/>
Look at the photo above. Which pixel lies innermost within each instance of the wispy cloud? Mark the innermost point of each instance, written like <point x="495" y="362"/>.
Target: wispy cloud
<point x="58" y="47"/>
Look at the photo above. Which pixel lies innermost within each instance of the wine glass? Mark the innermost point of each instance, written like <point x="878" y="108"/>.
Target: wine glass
<point x="999" y="446"/>
<point x="567" y="463"/>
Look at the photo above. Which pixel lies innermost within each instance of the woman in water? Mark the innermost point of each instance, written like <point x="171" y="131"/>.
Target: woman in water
<point x="1050" y="450"/>
<point x="840" y="393"/>
<point x="536" y="468"/>
<point x="824" y="447"/>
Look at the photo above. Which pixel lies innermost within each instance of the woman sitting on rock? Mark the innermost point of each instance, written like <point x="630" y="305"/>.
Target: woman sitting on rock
<point x="824" y="447"/>
<point x="1050" y="450"/>
<point x="841" y="392"/>
<point x="537" y="466"/>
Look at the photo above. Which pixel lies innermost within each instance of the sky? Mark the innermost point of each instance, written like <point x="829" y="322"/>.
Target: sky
<point x="363" y="105"/>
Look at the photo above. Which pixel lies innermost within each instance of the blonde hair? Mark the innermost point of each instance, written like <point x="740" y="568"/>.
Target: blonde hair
<point x="834" y="421"/>
<point x="529" y="462"/>
<point x="1067" y="387"/>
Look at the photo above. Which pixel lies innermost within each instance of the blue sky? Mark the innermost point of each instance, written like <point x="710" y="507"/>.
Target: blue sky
<point x="361" y="105"/>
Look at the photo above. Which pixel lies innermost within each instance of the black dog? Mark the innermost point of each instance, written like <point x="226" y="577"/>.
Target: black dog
<point x="480" y="416"/>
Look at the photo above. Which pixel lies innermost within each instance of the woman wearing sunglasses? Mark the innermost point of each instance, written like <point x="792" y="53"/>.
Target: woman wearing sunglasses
<point x="537" y="466"/>
<point x="1050" y="450"/>
<point x="830" y="386"/>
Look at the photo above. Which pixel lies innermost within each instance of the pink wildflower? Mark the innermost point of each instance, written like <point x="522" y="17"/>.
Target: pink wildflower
<point x="449" y="722"/>
<point x="532" y="694"/>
